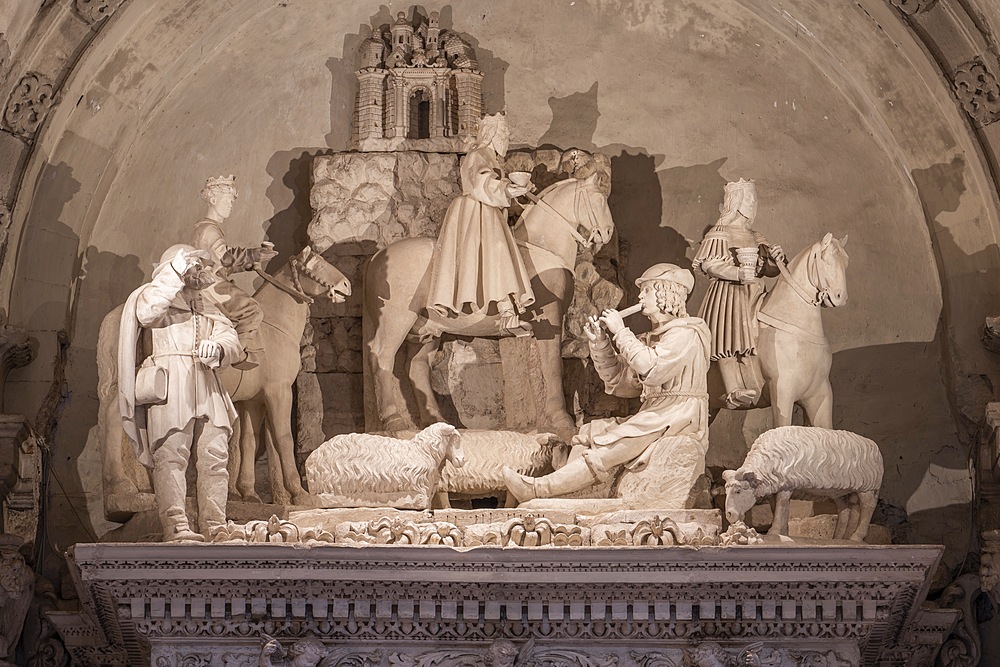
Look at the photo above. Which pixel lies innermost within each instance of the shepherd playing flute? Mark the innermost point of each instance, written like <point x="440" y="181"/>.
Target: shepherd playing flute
<point x="667" y="368"/>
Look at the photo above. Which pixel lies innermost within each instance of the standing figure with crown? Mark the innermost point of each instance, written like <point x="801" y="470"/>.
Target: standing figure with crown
<point x="735" y="257"/>
<point x="241" y="308"/>
<point x="477" y="267"/>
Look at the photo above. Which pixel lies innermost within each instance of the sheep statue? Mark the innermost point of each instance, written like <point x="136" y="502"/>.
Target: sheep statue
<point x="809" y="462"/>
<point x="486" y="454"/>
<point x="367" y="470"/>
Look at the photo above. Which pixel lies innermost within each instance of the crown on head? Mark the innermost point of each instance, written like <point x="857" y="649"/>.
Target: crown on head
<point x="218" y="185"/>
<point x="221" y="181"/>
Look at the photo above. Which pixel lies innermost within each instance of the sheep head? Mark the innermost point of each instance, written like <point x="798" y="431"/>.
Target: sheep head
<point x="444" y="441"/>
<point x="741" y="492"/>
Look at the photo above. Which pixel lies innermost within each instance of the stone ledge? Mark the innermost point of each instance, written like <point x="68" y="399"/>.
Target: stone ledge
<point x="860" y="603"/>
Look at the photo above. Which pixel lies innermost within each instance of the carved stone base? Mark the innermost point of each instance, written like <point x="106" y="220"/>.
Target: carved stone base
<point x="381" y="606"/>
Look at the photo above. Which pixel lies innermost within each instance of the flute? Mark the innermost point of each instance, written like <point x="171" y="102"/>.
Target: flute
<point x="631" y="310"/>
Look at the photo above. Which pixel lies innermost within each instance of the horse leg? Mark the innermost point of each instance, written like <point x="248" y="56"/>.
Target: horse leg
<point x="781" y="506"/>
<point x="383" y="345"/>
<point x="550" y="358"/>
<point x="782" y="405"/>
<point x="234" y="464"/>
<point x="419" y="365"/>
<point x="819" y="406"/>
<point x="250" y="422"/>
<point x="278" y="405"/>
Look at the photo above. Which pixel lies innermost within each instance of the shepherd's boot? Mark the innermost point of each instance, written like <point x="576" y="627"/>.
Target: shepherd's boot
<point x="575" y="475"/>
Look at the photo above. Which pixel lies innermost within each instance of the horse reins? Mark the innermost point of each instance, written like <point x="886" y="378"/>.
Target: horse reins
<point x="821" y="293"/>
<point x="296" y="292"/>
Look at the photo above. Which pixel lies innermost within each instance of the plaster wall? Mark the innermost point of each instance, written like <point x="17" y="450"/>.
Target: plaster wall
<point x="829" y="106"/>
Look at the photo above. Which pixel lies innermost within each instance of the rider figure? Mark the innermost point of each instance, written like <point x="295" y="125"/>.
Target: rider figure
<point x="238" y="306"/>
<point x="730" y="304"/>
<point x="477" y="266"/>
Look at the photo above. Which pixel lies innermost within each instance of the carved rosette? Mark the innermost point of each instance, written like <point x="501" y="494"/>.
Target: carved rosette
<point x="978" y="90"/>
<point x="912" y="7"/>
<point x="29" y="104"/>
<point x="95" y="11"/>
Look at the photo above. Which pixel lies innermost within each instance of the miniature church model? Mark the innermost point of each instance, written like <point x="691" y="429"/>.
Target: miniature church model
<point x="420" y="88"/>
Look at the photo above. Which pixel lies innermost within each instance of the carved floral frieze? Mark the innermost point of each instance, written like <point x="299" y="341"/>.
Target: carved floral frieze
<point x="978" y="90"/>
<point x="29" y="104"/>
<point x="273" y="530"/>
<point x="394" y="530"/>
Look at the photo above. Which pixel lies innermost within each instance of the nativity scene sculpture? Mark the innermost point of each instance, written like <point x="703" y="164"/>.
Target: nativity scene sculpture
<point x="418" y="289"/>
<point x="483" y="277"/>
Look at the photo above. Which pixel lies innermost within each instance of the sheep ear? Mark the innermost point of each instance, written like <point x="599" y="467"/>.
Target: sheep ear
<point x="728" y="475"/>
<point x="827" y="239"/>
<point x="843" y="241"/>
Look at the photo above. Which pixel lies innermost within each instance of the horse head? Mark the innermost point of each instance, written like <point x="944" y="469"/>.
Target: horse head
<point x="316" y="277"/>
<point x="592" y="173"/>
<point x="595" y="215"/>
<point x="828" y="273"/>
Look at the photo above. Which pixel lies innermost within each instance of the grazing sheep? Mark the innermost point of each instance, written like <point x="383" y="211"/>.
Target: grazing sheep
<point x="366" y="470"/>
<point x="809" y="462"/>
<point x="487" y="452"/>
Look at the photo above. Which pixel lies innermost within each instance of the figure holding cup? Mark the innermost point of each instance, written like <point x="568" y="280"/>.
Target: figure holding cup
<point x="734" y="257"/>
<point x="477" y="266"/>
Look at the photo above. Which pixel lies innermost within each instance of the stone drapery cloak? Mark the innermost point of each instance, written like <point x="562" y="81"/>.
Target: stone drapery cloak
<point x="194" y="390"/>
<point x="476" y="261"/>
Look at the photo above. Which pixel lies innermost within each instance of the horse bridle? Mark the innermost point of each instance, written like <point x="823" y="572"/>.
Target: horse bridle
<point x="581" y="188"/>
<point x="297" y="267"/>
<point x="822" y="292"/>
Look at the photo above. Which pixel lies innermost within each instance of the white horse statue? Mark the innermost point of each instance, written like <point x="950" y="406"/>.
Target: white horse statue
<point x="396" y="288"/>
<point x="794" y="354"/>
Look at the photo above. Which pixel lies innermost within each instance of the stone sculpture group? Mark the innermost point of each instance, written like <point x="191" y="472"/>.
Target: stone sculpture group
<point x="193" y="362"/>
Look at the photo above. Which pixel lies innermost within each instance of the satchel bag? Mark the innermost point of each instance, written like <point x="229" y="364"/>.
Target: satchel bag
<point x="151" y="385"/>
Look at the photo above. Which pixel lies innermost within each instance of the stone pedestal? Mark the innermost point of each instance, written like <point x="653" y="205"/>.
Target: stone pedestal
<point x="381" y="606"/>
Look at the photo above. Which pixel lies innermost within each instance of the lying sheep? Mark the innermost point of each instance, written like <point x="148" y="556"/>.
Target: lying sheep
<point x="809" y="462"/>
<point x="366" y="470"/>
<point x="487" y="452"/>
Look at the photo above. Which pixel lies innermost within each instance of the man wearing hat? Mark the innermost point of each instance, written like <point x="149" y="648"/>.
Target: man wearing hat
<point x="187" y="408"/>
<point x="667" y="368"/>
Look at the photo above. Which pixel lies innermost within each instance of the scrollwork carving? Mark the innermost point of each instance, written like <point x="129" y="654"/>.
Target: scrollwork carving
<point x="978" y="90"/>
<point x="29" y="104"/>
<point x="94" y="11"/>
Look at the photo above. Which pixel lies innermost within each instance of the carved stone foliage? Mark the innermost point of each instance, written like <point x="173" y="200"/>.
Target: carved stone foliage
<point x="273" y="530"/>
<point x="978" y="89"/>
<point x="398" y="531"/>
<point x="912" y="7"/>
<point x="94" y="11"/>
<point x="29" y="104"/>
